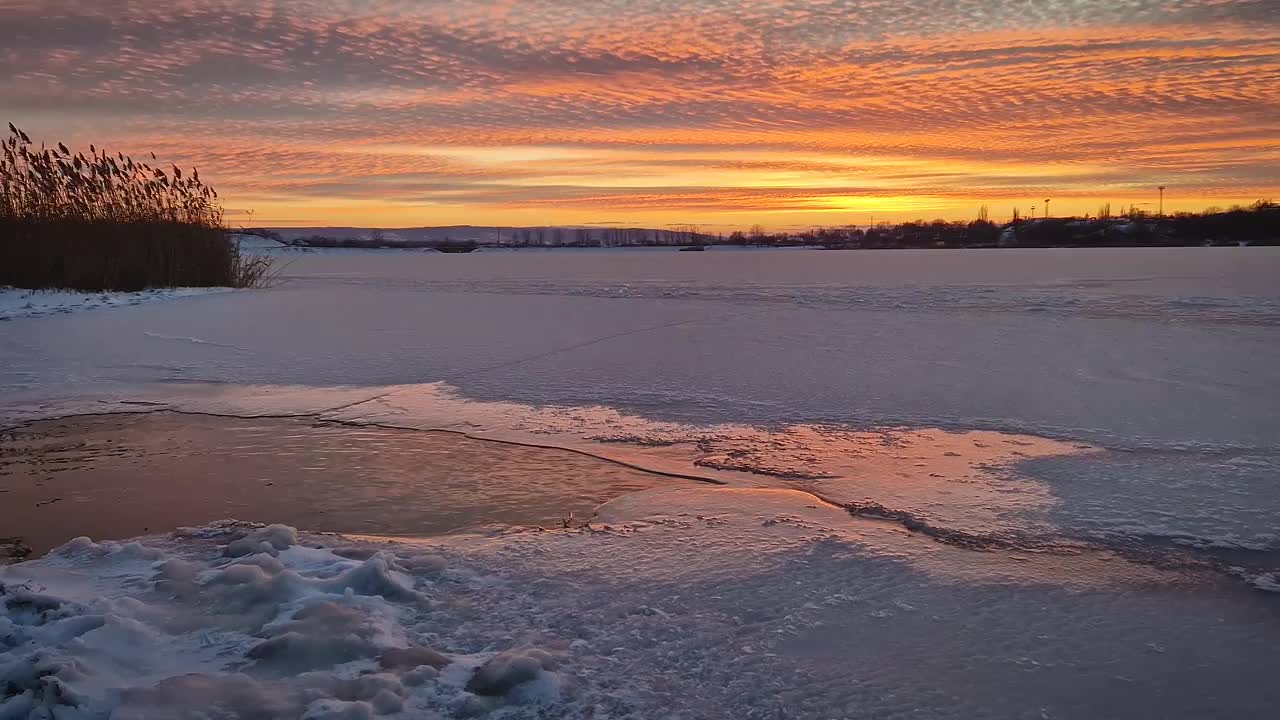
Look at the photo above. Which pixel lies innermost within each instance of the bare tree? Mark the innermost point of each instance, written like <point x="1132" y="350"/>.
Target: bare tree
<point x="688" y="234"/>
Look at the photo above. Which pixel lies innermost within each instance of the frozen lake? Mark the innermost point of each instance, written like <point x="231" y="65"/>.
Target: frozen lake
<point x="1102" y="344"/>
<point x="1064" y="463"/>
<point x="1167" y="360"/>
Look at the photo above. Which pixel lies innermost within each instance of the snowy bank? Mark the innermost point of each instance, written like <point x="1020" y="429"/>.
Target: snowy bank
<point x="237" y="621"/>
<point x="696" y="603"/>
<point x="19" y="302"/>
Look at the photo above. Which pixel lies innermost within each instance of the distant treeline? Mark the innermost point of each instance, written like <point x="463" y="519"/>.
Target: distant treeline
<point x="377" y="242"/>
<point x="507" y="237"/>
<point x="1257" y="224"/>
<point x="683" y="235"/>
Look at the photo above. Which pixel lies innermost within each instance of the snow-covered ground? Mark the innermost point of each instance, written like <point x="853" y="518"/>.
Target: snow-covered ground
<point x="18" y="302"/>
<point x="1059" y="471"/>
<point x="687" y="603"/>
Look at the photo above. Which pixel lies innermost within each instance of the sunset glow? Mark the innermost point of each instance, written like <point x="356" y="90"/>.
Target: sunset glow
<point x="723" y="113"/>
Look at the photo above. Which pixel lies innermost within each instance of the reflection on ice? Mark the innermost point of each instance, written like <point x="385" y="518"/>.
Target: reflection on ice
<point x="970" y="490"/>
<point x="118" y="476"/>
<point x="838" y="572"/>
<point x="963" y="480"/>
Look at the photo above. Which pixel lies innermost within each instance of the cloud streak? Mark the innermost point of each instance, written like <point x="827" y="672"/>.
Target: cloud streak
<point x="711" y="110"/>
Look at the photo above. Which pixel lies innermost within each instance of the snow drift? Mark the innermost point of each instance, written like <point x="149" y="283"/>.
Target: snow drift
<point x="693" y="603"/>
<point x="229" y="621"/>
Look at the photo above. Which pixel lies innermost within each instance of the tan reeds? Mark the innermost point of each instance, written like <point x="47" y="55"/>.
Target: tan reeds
<point x="105" y="222"/>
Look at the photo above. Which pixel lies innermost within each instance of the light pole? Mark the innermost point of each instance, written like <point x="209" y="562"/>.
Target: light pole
<point x="1033" y="212"/>
<point x="1046" y="207"/>
<point x="1161" y="201"/>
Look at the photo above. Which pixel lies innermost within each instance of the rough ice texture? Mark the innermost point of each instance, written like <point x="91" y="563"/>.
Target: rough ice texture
<point x="195" y="626"/>
<point x="696" y="603"/>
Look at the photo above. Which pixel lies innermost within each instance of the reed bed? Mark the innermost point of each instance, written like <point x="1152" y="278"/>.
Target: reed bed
<point x="105" y="222"/>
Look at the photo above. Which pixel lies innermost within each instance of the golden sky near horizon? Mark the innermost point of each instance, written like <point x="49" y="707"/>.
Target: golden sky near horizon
<point x="722" y="113"/>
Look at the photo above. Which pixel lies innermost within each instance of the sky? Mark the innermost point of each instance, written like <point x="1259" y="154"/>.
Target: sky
<point x="720" y="113"/>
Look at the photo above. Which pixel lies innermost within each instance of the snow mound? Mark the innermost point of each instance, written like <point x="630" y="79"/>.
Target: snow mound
<point x="240" y="621"/>
<point x="271" y="540"/>
<point x="526" y="672"/>
<point x="1267" y="582"/>
<point x="695" y="602"/>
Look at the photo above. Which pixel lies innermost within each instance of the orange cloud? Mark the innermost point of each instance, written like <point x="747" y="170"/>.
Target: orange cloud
<point x="728" y="112"/>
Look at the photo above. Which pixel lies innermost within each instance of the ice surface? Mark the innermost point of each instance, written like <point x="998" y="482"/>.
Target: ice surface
<point x="575" y="330"/>
<point x="977" y="488"/>
<point x="1090" y="566"/>
<point x="690" y="603"/>
<point x="1165" y="354"/>
<point x="117" y="476"/>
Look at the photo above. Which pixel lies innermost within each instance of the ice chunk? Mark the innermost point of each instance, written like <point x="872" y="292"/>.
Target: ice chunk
<point x="376" y="576"/>
<point x="338" y="710"/>
<point x="419" y="676"/>
<point x="270" y="539"/>
<point x="1268" y="582"/>
<point x="504" y="671"/>
<point x="319" y="636"/>
<point x="386" y="702"/>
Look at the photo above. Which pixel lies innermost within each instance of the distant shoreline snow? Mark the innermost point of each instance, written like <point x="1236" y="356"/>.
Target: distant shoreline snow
<point x="23" y="302"/>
